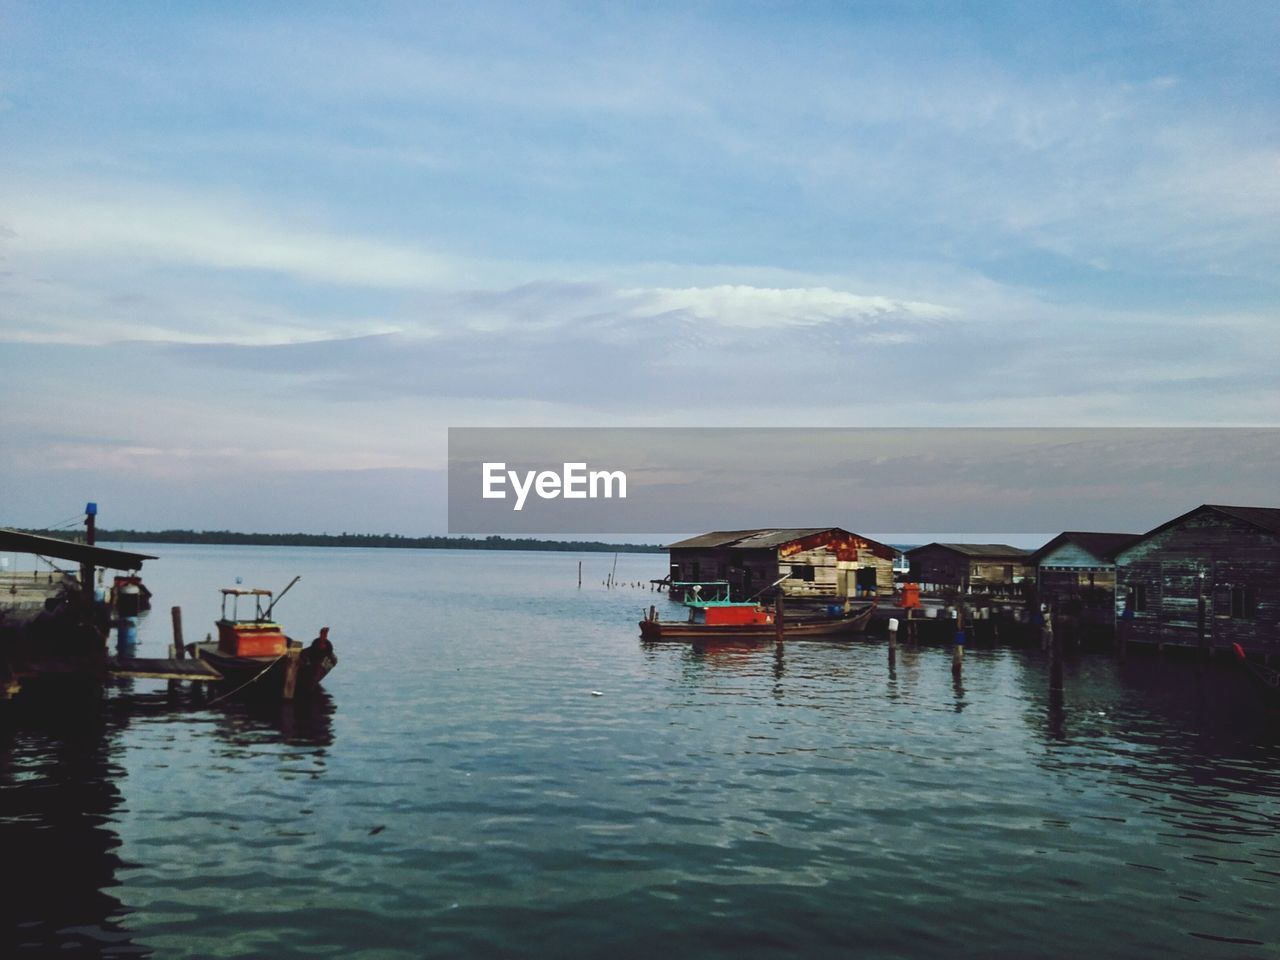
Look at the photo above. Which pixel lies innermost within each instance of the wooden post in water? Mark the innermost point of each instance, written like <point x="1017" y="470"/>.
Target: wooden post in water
<point x="893" y="640"/>
<point x="579" y="574"/>
<point x="87" y="568"/>
<point x="957" y="649"/>
<point x="1055" y="657"/>
<point x="292" y="659"/>
<point x="179" y="651"/>
<point x="779" y="615"/>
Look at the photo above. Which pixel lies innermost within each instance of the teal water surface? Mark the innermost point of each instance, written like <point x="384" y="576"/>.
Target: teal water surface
<point x="500" y="767"/>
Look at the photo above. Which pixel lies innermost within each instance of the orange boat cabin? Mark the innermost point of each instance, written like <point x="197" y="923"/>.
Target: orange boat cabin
<point x="257" y="637"/>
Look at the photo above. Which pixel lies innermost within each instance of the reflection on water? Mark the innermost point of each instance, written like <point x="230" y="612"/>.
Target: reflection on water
<point x="306" y="722"/>
<point x="530" y="779"/>
<point x="58" y="800"/>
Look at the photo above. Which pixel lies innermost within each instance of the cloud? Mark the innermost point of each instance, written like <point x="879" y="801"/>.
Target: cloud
<point x="754" y="308"/>
<point x="589" y="351"/>
<point x="134" y="225"/>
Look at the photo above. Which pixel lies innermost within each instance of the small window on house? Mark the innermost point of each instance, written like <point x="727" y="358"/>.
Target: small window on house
<point x="1242" y="602"/>
<point x="802" y="571"/>
<point x="1136" y="599"/>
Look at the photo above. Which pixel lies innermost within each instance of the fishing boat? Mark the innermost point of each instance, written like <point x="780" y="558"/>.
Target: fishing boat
<point x="713" y="616"/>
<point x="254" y="655"/>
<point x="129" y="596"/>
<point x="1266" y="679"/>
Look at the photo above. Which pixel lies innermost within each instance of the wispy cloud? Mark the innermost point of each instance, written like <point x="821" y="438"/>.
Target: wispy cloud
<point x="115" y="223"/>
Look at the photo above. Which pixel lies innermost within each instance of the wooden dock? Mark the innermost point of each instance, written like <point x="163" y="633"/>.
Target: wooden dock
<point x="160" y="669"/>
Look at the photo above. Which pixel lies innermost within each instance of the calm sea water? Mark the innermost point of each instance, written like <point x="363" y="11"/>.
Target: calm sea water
<point x="461" y="790"/>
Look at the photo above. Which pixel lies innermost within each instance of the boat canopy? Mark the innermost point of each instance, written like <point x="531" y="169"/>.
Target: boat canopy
<point x="709" y="593"/>
<point x="234" y="594"/>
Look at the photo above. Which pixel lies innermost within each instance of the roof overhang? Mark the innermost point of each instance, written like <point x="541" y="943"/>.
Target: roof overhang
<point x="19" y="542"/>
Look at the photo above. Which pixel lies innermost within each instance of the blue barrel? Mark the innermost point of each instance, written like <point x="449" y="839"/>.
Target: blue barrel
<point x="126" y="636"/>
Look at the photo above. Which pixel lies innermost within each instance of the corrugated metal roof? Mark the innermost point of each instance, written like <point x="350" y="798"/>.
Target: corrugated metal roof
<point x="762" y="539"/>
<point x="980" y="551"/>
<point x="1104" y="546"/>
<point x="717" y="538"/>
<point x="768" y="539"/>
<point x="67" y="550"/>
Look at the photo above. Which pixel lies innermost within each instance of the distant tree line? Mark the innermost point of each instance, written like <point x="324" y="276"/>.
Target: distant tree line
<point x="230" y="537"/>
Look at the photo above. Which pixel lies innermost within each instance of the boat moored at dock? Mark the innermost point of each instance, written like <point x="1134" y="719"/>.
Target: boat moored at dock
<point x="254" y="655"/>
<point x="713" y="616"/>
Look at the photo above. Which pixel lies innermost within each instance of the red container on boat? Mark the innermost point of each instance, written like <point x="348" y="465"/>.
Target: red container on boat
<point x="910" y="595"/>
<point x="260" y="639"/>
<point x="736" y="615"/>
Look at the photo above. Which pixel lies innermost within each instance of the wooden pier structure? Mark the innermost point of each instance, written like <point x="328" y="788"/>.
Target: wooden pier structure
<point x="52" y="626"/>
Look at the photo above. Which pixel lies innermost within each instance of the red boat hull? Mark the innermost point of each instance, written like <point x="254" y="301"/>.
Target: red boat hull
<point x="797" y="629"/>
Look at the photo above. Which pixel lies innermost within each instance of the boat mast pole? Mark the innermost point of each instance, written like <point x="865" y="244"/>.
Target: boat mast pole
<point x="90" y="536"/>
<point x="272" y="605"/>
<point x="785" y="576"/>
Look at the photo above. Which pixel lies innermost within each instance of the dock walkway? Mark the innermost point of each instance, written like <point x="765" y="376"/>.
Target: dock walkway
<point x="161" y="669"/>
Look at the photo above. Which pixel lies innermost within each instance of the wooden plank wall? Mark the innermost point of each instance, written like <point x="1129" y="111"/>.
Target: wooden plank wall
<point x="1232" y="553"/>
<point x="764" y="567"/>
<point x="826" y="572"/>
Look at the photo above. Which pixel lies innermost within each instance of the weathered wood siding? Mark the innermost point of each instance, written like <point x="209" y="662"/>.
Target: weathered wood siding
<point x="1232" y="554"/>
<point x="1074" y="581"/>
<point x="834" y="561"/>
<point x="832" y="576"/>
<point x="985" y="573"/>
<point x="939" y="566"/>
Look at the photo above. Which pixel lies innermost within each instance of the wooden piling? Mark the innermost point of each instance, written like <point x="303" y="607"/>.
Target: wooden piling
<point x="1055" y="658"/>
<point x="957" y="649"/>
<point x="893" y="634"/>
<point x="779" y="615"/>
<point x="579" y="574"/>
<point x="179" y="648"/>
<point x="292" y="660"/>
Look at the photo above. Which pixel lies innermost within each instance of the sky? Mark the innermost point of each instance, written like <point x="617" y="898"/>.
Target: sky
<point x="255" y="259"/>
